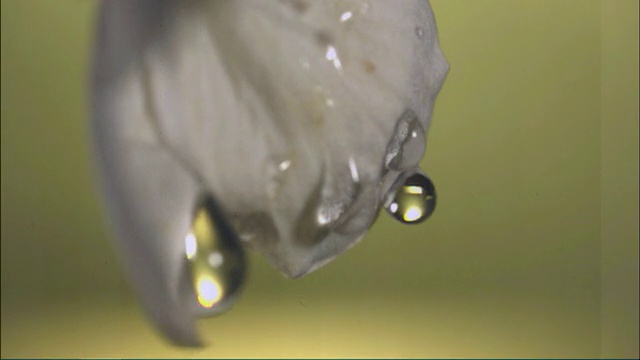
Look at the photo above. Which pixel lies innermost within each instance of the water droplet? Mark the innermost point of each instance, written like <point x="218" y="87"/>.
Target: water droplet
<point x="215" y="262"/>
<point x="332" y="55"/>
<point x="419" y="32"/>
<point x="277" y="169"/>
<point x="407" y="144"/>
<point x="412" y="198"/>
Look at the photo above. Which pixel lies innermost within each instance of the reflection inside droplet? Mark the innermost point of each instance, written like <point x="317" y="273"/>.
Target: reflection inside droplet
<point x="413" y="199"/>
<point x="216" y="259"/>
<point x="393" y="207"/>
<point x="209" y="291"/>
<point x="190" y="245"/>
<point x="412" y="214"/>
<point x="215" y="262"/>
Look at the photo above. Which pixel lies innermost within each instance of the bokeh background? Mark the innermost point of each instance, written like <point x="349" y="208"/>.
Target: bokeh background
<point x="533" y="250"/>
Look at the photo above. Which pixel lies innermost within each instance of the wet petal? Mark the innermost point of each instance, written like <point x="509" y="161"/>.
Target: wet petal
<point x="284" y="111"/>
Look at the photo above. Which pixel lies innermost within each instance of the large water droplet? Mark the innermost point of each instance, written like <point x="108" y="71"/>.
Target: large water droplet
<point x="215" y="262"/>
<point x="412" y="198"/>
<point x="407" y="144"/>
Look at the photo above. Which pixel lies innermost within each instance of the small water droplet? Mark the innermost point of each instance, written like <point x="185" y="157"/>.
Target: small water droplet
<point x="419" y="32"/>
<point x="407" y="144"/>
<point x="277" y="169"/>
<point x="412" y="199"/>
<point x="332" y="55"/>
<point x="215" y="262"/>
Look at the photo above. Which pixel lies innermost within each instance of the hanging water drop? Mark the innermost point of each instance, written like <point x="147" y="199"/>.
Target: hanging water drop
<point x="215" y="262"/>
<point x="407" y="144"/>
<point x="413" y="200"/>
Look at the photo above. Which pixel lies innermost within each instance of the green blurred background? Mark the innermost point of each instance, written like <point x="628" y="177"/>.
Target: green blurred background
<point x="533" y="250"/>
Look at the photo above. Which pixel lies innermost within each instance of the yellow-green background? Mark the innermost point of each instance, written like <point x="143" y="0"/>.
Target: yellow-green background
<point x="531" y="252"/>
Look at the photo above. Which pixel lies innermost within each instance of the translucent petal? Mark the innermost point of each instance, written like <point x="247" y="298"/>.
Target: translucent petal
<point x="283" y="111"/>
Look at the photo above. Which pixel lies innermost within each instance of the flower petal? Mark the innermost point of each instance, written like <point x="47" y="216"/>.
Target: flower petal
<point x="283" y="111"/>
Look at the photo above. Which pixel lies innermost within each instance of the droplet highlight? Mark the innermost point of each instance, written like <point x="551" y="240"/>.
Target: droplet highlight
<point x="332" y="55"/>
<point x="215" y="262"/>
<point x="413" y="200"/>
<point x="346" y="16"/>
